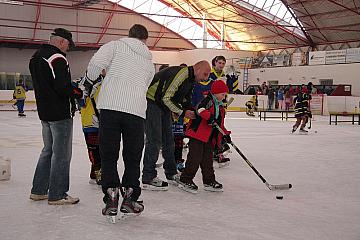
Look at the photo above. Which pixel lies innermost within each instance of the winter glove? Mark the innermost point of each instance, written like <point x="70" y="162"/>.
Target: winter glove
<point x="94" y="89"/>
<point x="227" y="138"/>
<point x="77" y="92"/>
<point x="211" y="120"/>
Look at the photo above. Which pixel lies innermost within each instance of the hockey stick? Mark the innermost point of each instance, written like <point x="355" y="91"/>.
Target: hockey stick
<point x="270" y="186"/>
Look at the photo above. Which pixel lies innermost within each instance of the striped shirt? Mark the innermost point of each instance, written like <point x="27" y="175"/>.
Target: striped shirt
<point x="129" y="71"/>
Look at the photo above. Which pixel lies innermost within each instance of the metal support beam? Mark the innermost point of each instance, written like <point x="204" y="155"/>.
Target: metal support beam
<point x="311" y="42"/>
<point x="38" y="12"/>
<point x="340" y="5"/>
<point x="107" y="23"/>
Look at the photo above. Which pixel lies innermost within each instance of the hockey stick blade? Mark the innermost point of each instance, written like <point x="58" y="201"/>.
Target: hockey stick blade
<point x="279" y="187"/>
<point x="270" y="186"/>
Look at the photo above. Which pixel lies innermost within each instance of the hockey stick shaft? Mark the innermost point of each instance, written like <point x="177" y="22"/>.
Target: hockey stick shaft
<point x="270" y="186"/>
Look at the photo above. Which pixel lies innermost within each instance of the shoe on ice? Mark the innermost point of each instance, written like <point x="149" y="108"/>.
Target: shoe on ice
<point x="65" y="201"/>
<point x="213" y="187"/>
<point x="187" y="186"/>
<point x="130" y="207"/>
<point x="38" y="197"/>
<point x="21" y="115"/>
<point x="111" y="202"/>
<point x="156" y="185"/>
<point x="293" y="129"/>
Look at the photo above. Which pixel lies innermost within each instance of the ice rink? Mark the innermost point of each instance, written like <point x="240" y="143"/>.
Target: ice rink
<point x="324" y="203"/>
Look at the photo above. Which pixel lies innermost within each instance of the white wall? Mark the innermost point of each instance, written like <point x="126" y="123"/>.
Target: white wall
<point x="340" y="73"/>
<point x="15" y="60"/>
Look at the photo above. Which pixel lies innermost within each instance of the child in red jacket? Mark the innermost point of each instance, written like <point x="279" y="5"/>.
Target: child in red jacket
<point x="203" y="136"/>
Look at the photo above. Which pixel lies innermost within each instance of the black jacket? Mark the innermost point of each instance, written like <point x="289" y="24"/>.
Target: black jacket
<point x="163" y="79"/>
<point x="301" y="102"/>
<point x="51" y="79"/>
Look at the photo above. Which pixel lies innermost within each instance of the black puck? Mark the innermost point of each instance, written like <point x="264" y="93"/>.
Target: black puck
<point x="279" y="197"/>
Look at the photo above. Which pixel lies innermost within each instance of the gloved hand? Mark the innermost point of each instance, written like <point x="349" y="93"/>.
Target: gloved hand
<point x="227" y="138"/>
<point x="77" y="92"/>
<point x="211" y="120"/>
<point x="94" y="89"/>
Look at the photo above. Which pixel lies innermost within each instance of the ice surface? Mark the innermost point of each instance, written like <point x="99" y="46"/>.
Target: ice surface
<point x="324" y="202"/>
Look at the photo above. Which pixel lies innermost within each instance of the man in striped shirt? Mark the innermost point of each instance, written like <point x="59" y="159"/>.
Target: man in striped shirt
<point x="122" y="106"/>
<point x="169" y="95"/>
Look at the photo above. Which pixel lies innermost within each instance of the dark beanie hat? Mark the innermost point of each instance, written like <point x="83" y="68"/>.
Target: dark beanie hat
<point x="219" y="87"/>
<point x="61" y="32"/>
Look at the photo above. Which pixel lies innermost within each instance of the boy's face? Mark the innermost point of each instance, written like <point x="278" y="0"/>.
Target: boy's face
<point x="220" y="96"/>
<point x="219" y="65"/>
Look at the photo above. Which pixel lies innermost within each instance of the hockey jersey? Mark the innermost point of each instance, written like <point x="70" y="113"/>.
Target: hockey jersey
<point x="19" y="92"/>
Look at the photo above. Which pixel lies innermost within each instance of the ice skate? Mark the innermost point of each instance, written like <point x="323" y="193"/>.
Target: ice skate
<point x="92" y="181"/>
<point x="22" y="115"/>
<point x="129" y="207"/>
<point x="293" y="129"/>
<point x="187" y="186"/>
<point x="213" y="187"/>
<point x="173" y="180"/>
<point x="225" y="162"/>
<point x="221" y="160"/>
<point x="303" y="131"/>
<point x="112" y="201"/>
<point x="155" y="185"/>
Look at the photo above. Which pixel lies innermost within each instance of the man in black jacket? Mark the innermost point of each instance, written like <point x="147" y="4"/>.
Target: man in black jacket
<point x="54" y="95"/>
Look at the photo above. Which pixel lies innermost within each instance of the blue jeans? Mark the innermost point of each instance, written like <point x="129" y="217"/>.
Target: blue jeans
<point x="20" y="105"/>
<point x="158" y="130"/>
<point x="52" y="171"/>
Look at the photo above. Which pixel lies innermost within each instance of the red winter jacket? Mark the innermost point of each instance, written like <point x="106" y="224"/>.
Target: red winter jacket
<point x="201" y="128"/>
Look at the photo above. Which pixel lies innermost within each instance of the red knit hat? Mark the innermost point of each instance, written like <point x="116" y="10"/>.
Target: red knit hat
<point x="219" y="87"/>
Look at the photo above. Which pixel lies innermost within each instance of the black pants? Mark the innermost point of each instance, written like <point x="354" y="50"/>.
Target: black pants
<point x="115" y="125"/>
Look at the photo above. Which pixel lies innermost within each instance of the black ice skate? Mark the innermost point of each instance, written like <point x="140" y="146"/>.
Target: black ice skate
<point x="129" y="207"/>
<point x="303" y="131"/>
<point x="112" y="201"/>
<point x="213" y="187"/>
<point x="187" y="186"/>
<point x="293" y="129"/>
<point x="155" y="185"/>
<point x="21" y="115"/>
<point x="221" y="160"/>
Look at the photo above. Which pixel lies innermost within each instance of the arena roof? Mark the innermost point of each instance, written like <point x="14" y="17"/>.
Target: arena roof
<point x="179" y="24"/>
